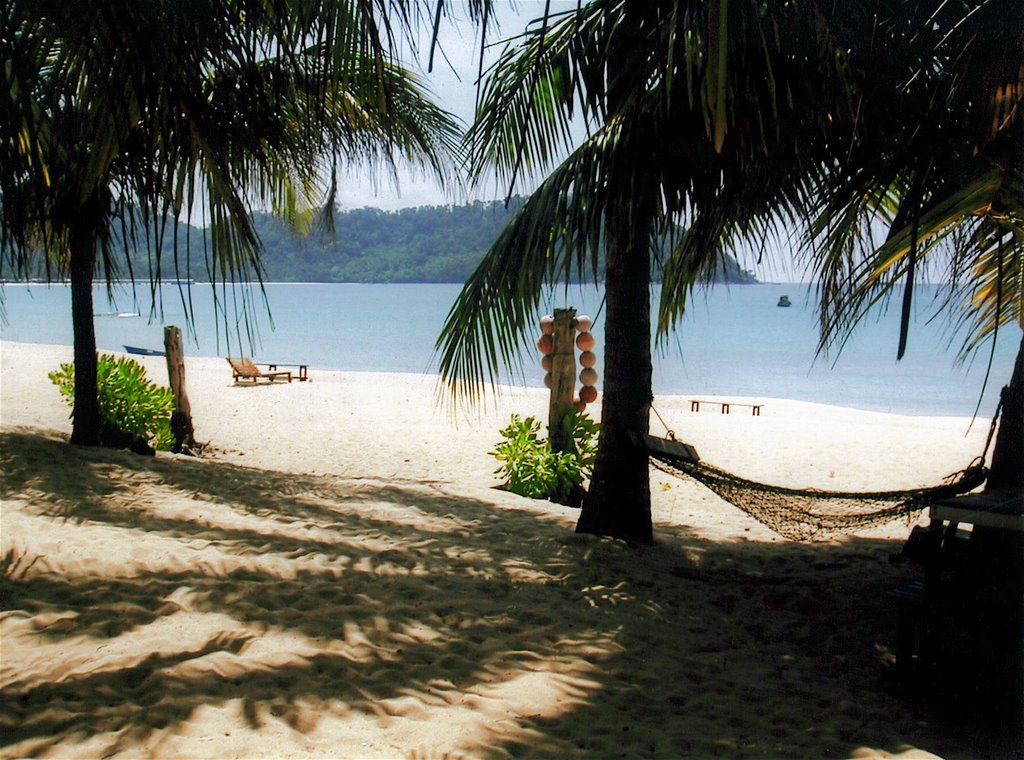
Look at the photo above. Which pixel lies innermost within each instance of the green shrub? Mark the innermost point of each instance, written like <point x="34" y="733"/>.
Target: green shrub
<point x="532" y="469"/>
<point x="128" y="400"/>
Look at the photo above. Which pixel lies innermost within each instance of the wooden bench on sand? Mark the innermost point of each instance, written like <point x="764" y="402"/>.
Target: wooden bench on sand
<point x="303" y="375"/>
<point x="755" y="409"/>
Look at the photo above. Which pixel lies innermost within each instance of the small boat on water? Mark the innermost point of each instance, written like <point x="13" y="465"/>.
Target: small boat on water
<point x="142" y="351"/>
<point x="784" y="301"/>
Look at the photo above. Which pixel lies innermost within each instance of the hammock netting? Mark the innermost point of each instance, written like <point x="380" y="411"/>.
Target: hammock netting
<point x="807" y="514"/>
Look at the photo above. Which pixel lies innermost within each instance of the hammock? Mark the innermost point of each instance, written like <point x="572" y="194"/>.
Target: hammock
<point x="805" y="514"/>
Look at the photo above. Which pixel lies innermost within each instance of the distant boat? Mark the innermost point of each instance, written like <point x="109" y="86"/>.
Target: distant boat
<point x="142" y="351"/>
<point x="784" y="301"/>
<point x="119" y="314"/>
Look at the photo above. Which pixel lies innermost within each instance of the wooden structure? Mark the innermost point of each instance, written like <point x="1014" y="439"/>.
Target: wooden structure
<point x="181" y="417"/>
<point x="243" y="368"/>
<point x="303" y="374"/>
<point x="563" y="379"/>
<point x="755" y="409"/>
<point x="996" y="508"/>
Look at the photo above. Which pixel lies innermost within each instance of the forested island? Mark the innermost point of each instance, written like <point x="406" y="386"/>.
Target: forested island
<point x="426" y="244"/>
<point x="423" y="244"/>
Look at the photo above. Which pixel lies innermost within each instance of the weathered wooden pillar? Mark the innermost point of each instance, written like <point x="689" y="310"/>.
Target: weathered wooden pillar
<point x="563" y="379"/>
<point x="181" y="417"/>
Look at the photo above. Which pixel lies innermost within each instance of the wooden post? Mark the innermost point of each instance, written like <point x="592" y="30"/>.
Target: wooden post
<point x="563" y="379"/>
<point x="181" y="418"/>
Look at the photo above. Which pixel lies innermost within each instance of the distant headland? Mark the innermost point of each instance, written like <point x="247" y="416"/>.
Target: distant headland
<point x="425" y="244"/>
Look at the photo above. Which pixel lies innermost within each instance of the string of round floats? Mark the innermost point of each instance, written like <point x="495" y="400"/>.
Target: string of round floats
<point x="585" y="343"/>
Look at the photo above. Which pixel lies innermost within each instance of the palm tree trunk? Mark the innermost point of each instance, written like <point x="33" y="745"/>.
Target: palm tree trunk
<point x="85" y="426"/>
<point x="1007" y="470"/>
<point x="618" y="503"/>
<point x="619" y="500"/>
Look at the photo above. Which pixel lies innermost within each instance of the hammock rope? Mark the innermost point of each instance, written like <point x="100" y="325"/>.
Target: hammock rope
<point x="807" y="514"/>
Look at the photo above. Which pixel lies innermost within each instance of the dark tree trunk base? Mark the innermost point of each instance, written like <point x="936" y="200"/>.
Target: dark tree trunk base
<point x="619" y="501"/>
<point x="86" y="422"/>
<point x="1007" y="470"/>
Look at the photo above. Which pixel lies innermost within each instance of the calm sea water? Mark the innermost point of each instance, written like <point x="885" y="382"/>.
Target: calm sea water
<point x="733" y="342"/>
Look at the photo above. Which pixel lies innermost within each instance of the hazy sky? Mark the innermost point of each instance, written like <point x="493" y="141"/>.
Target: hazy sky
<point x="453" y="83"/>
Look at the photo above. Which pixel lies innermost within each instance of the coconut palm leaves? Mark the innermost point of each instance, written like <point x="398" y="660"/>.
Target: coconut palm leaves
<point x="636" y="76"/>
<point x="811" y="97"/>
<point x="201" y="108"/>
<point x="943" y="180"/>
<point x="121" y="115"/>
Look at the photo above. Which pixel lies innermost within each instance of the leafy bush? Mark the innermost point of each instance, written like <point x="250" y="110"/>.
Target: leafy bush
<point x="532" y="469"/>
<point x="128" y="400"/>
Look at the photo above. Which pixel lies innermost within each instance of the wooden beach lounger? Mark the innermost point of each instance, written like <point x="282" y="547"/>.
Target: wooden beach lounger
<point x="243" y="368"/>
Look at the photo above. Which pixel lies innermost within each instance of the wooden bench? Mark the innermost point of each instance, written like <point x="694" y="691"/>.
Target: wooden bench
<point x="303" y="375"/>
<point x="755" y="409"/>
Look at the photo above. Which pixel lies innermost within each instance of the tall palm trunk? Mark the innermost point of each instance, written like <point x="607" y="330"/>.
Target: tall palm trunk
<point x="85" y="426"/>
<point x="1008" y="455"/>
<point x="619" y="500"/>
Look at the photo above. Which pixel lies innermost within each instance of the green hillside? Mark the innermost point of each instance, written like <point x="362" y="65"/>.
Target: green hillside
<point x="425" y="244"/>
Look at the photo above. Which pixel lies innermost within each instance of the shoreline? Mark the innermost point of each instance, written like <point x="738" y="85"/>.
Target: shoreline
<point x="390" y="424"/>
<point x="673" y="398"/>
<point x="733" y="341"/>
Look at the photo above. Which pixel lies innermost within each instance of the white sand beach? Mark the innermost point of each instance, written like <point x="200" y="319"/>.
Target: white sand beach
<point x="341" y="577"/>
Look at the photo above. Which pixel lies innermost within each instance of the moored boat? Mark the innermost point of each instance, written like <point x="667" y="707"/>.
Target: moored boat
<point x="142" y="351"/>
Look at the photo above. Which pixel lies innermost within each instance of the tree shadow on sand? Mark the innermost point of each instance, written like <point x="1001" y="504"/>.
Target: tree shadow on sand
<point x="314" y="600"/>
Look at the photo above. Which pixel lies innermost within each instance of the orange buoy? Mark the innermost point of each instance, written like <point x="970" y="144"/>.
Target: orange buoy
<point x="588" y="394"/>
<point x="588" y="359"/>
<point x="546" y="344"/>
<point x="585" y="341"/>
<point x="547" y="362"/>
<point x="588" y="376"/>
<point x="548" y="380"/>
<point x="584" y="323"/>
<point x="581" y="406"/>
<point x="547" y="324"/>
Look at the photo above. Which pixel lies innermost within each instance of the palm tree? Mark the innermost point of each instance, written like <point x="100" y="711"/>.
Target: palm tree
<point x="731" y="118"/>
<point x="122" y="115"/>
<point x="650" y="83"/>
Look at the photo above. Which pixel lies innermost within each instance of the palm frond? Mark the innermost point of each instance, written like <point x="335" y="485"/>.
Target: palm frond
<point x="556" y="235"/>
<point x="532" y="94"/>
<point x="227" y="106"/>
